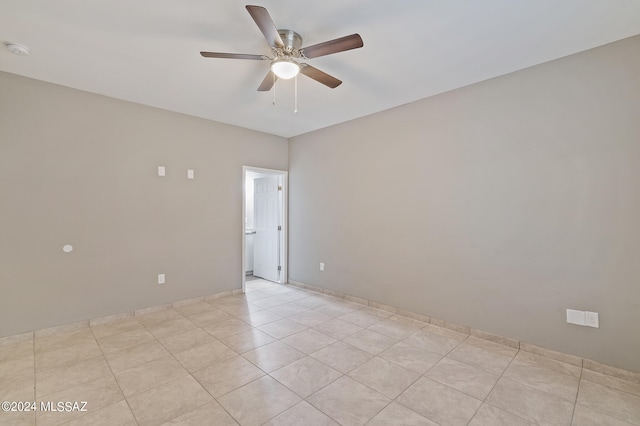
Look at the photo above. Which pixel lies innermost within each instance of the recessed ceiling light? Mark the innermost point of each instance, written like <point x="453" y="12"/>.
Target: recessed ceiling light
<point x="17" y="49"/>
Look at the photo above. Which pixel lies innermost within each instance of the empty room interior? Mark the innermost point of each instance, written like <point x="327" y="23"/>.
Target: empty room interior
<point x="334" y="213"/>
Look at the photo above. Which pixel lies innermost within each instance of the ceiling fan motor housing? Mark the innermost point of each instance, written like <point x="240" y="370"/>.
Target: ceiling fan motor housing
<point x="291" y="39"/>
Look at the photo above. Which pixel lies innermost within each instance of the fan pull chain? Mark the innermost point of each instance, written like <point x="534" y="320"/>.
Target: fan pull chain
<point x="295" y="95"/>
<point x="274" y="89"/>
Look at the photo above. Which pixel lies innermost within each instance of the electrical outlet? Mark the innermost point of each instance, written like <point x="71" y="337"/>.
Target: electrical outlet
<point x="161" y="279"/>
<point x="321" y="266"/>
<point x="190" y="174"/>
<point x="161" y="171"/>
<point x="592" y="319"/>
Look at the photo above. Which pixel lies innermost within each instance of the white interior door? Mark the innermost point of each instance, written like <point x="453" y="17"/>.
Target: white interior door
<point x="266" y="247"/>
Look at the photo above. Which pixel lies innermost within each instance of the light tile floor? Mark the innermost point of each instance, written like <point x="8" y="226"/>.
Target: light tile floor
<point x="279" y="355"/>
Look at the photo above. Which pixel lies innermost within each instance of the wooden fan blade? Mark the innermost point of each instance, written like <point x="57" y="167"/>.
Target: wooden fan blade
<point x="233" y="56"/>
<point x="266" y="25"/>
<point x="353" y="41"/>
<point x="268" y="82"/>
<point x="319" y="76"/>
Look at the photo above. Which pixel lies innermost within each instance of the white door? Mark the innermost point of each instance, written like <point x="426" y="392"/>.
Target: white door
<point x="266" y="248"/>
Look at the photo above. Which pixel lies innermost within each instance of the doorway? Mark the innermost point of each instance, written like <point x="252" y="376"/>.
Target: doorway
<point x="264" y="230"/>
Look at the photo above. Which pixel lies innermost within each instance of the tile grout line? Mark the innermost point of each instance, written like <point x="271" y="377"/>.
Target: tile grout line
<point x="633" y="395"/>
<point x="301" y="397"/>
<point x="146" y="363"/>
<point x="305" y="399"/>
<point x="265" y="372"/>
<point x="185" y="368"/>
<point x="391" y="400"/>
<point x="192" y="374"/>
<point x="323" y="387"/>
<point x="540" y="390"/>
<point x="318" y="408"/>
<point x="484" y="401"/>
<point x="114" y="376"/>
<point x="214" y="398"/>
<point x="424" y="375"/>
<point x="398" y="396"/>
<point x="575" y="403"/>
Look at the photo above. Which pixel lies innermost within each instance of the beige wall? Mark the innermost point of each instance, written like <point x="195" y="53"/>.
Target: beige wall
<point x="496" y="206"/>
<point x="81" y="169"/>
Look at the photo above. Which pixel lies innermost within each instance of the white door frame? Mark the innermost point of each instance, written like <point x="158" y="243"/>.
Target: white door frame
<point x="284" y="250"/>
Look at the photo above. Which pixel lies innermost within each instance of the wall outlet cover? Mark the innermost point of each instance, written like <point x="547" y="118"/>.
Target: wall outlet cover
<point x="161" y="171"/>
<point x="161" y="279"/>
<point x="592" y="319"/>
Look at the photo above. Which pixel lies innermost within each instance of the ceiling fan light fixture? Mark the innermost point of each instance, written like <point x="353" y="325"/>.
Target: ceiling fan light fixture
<point x="285" y="68"/>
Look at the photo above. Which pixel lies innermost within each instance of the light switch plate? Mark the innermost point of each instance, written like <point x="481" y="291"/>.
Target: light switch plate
<point x="189" y="174"/>
<point x="576" y="317"/>
<point x="161" y="278"/>
<point x="161" y="171"/>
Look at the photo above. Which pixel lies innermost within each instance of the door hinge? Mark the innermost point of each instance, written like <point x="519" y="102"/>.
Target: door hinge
<point x="279" y="188"/>
<point x="279" y="228"/>
<point x="279" y="268"/>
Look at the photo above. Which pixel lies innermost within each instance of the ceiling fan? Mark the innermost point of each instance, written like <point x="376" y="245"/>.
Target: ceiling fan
<point x="286" y="49"/>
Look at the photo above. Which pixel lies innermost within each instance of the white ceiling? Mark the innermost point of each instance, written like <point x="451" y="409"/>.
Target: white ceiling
<point x="147" y="51"/>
